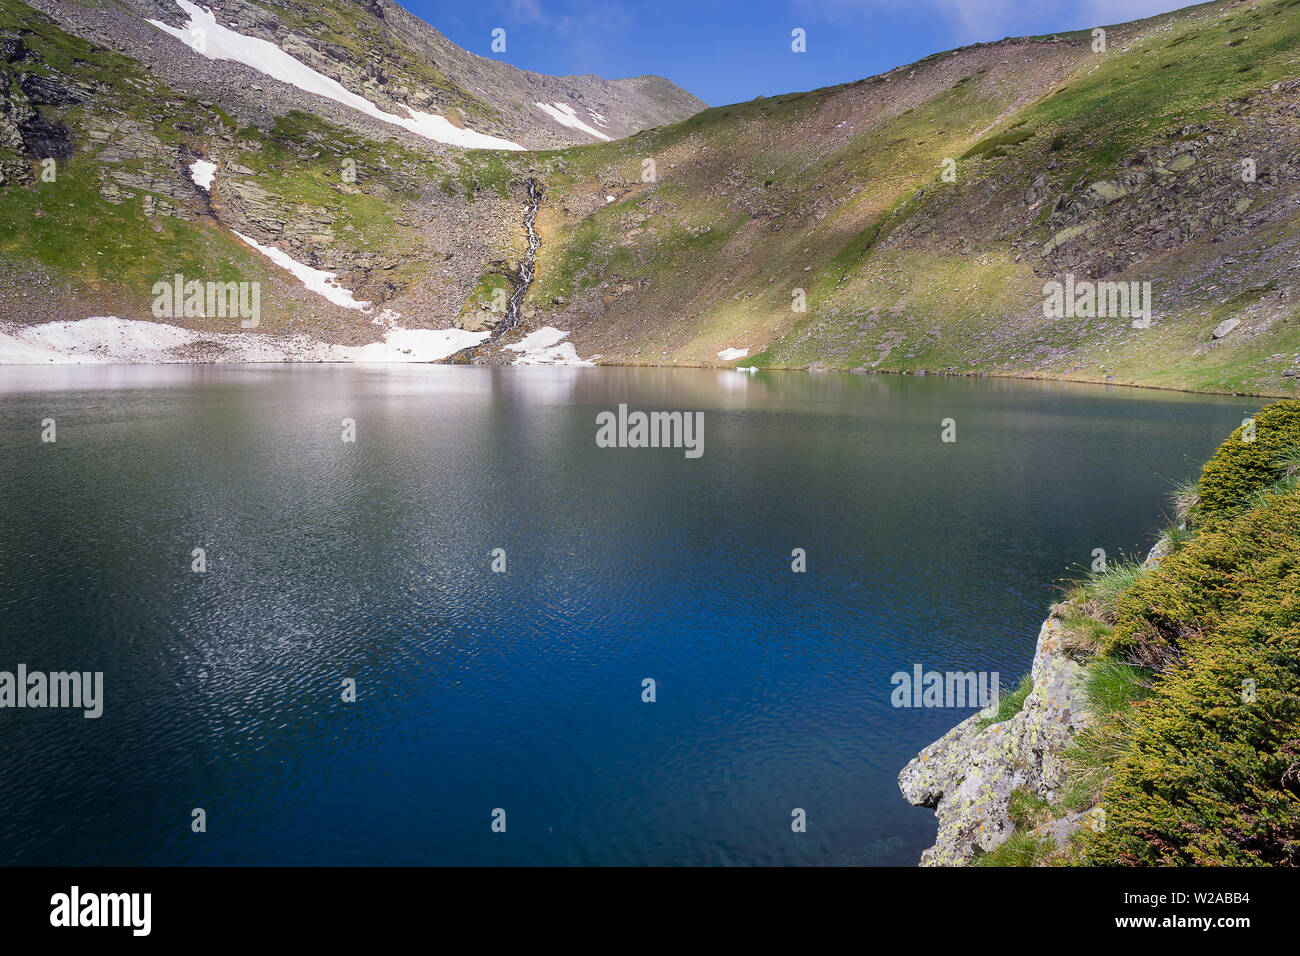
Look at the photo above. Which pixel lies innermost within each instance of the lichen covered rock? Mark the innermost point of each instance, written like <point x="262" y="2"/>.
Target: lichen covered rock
<point x="968" y="775"/>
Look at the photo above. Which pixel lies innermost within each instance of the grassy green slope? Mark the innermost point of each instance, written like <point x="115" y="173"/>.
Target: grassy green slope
<point x="838" y="192"/>
<point x="751" y="202"/>
<point x="121" y="211"/>
<point x="103" y="251"/>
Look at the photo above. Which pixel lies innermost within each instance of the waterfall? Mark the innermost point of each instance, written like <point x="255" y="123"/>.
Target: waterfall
<point x="526" y="266"/>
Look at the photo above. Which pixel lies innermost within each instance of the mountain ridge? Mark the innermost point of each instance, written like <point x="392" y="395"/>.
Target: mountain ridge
<point x="386" y="53"/>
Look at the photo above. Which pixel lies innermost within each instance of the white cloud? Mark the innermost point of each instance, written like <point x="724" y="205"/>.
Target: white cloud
<point x="523" y="11"/>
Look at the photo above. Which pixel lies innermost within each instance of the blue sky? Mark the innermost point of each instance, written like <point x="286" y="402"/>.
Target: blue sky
<point x="725" y="51"/>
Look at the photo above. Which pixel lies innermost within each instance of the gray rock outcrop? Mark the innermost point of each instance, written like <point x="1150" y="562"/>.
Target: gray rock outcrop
<point x="1224" y="327"/>
<point x="968" y="775"/>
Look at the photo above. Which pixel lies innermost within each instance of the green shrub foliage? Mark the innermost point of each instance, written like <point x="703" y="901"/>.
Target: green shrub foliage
<point x="1211" y="771"/>
<point x="1240" y="468"/>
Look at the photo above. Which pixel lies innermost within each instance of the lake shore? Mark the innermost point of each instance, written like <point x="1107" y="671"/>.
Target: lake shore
<point x="1155" y="691"/>
<point x="108" y="340"/>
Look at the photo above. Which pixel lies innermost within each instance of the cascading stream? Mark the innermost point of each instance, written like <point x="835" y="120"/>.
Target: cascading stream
<point x="526" y="266"/>
<point x="521" y="283"/>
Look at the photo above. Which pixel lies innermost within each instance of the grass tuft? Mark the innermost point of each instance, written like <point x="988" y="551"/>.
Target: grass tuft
<point x="1009" y="704"/>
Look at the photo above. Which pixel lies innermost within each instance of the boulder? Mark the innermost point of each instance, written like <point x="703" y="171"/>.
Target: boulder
<point x="1226" y="326"/>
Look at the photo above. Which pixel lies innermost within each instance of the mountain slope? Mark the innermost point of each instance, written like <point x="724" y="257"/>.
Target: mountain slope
<point x="407" y="223"/>
<point x="121" y="211"/>
<point x="1116" y="165"/>
<point x="377" y="50"/>
<point x="913" y="221"/>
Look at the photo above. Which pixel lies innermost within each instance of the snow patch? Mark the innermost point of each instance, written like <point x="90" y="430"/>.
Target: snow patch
<point x="411" y="345"/>
<point x="91" y="341"/>
<point x="546" y="346"/>
<point x="564" y="114"/>
<point x="316" y="280"/>
<point x="107" y="339"/>
<point x="202" y="172"/>
<point x="728" y="354"/>
<point x="206" y="36"/>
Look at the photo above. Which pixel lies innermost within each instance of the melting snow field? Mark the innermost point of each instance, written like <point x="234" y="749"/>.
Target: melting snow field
<point x="205" y="35"/>
<point x="563" y="114"/>
<point x="316" y="280"/>
<point x="728" y="355"/>
<point x="91" y="341"/>
<point x="409" y="345"/>
<point x="106" y="339"/>
<point x="546" y="346"/>
<point x="202" y="172"/>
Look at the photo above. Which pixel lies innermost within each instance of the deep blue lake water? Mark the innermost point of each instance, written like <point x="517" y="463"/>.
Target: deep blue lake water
<point x="522" y="690"/>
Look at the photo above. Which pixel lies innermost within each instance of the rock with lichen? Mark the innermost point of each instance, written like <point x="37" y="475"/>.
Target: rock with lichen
<point x="968" y="775"/>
